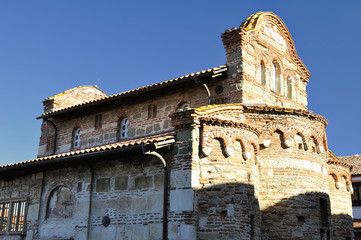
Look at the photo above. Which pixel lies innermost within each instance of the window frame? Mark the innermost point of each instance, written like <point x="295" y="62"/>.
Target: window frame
<point x="356" y="190"/>
<point x="9" y="217"/>
<point x="124" y="122"/>
<point x="76" y="133"/>
<point x="98" y="122"/>
<point x="263" y="74"/>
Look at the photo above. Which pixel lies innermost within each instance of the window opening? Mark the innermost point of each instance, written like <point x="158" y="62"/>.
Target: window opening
<point x="289" y="88"/>
<point x="183" y="107"/>
<point x="263" y="74"/>
<point x="152" y="111"/>
<point x="98" y="122"/>
<point x="76" y="140"/>
<point x="124" y="128"/>
<point x="12" y="216"/>
<point x="356" y="196"/>
<point x="276" y="77"/>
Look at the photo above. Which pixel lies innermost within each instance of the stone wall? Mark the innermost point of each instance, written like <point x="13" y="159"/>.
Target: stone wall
<point x="267" y="42"/>
<point x="340" y="198"/>
<point x="28" y="188"/>
<point x="130" y="192"/>
<point x="227" y="198"/>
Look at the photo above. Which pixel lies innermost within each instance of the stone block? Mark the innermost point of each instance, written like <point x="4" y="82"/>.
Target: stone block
<point x="131" y="132"/>
<point x="181" y="200"/>
<point x="155" y="203"/>
<point x="156" y="127"/>
<point x="180" y="178"/>
<point x="143" y="182"/>
<point x="140" y="131"/>
<point x="155" y="231"/>
<point x="159" y="181"/>
<point x="121" y="183"/>
<point x="149" y="129"/>
<point x="103" y="185"/>
<point x="139" y="205"/>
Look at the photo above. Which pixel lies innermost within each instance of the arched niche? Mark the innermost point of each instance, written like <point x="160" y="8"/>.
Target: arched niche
<point x="60" y="203"/>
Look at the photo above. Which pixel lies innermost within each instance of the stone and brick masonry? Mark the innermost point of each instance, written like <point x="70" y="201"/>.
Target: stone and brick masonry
<point x="245" y="158"/>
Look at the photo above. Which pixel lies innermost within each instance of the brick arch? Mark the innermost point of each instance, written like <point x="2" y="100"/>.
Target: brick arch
<point x="272" y="128"/>
<point x="335" y="175"/>
<point x="302" y="131"/>
<point x="278" y="59"/>
<point x="247" y="141"/>
<point x="207" y="141"/>
<point x="262" y="57"/>
<point x="346" y="177"/>
<point x="289" y="73"/>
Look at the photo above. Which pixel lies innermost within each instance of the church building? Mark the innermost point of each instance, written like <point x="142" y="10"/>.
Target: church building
<point x="231" y="152"/>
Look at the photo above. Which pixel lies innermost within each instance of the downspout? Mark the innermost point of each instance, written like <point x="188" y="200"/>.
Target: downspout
<point x="165" y="187"/>
<point x="55" y="134"/>
<point x="91" y="168"/>
<point x="197" y="80"/>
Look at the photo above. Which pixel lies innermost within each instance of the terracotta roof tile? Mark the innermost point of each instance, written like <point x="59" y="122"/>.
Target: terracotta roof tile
<point x="124" y="144"/>
<point x="229" y="122"/>
<point x="264" y="108"/>
<point x="355" y="161"/>
<point x="332" y="159"/>
<point x="216" y="69"/>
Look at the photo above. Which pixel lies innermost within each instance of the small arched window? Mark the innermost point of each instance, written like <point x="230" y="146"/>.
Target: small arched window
<point x="276" y="77"/>
<point x="124" y="128"/>
<point x="183" y="106"/>
<point x="263" y="74"/>
<point x="289" y="88"/>
<point x="76" y="138"/>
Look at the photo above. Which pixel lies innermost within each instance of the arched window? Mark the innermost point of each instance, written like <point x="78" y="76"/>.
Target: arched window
<point x="263" y="74"/>
<point x="289" y="87"/>
<point x="124" y="128"/>
<point x="183" y="106"/>
<point x="276" y="77"/>
<point x="76" y="138"/>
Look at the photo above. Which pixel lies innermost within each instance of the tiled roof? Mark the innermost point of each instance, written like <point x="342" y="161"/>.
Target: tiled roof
<point x="104" y="148"/>
<point x="355" y="161"/>
<point x="230" y="123"/>
<point x="137" y="90"/>
<point x="332" y="159"/>
<point x="263" y="108"/>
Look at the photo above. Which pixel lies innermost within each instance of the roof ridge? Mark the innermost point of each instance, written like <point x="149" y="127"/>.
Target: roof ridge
<point x="135" y="90"/>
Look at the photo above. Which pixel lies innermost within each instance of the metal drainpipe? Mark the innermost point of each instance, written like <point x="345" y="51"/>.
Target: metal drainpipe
<point x="55" y="134"/>
<point x="91" y="168"/>
<point x="197" y="80"/>
<point x="165" y="190"/>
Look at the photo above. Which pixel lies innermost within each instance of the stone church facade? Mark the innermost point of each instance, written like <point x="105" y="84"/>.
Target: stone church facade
<point x="227" y="153"/>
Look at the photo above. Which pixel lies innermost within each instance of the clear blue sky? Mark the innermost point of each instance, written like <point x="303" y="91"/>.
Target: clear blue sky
<point x="50" y="46"/>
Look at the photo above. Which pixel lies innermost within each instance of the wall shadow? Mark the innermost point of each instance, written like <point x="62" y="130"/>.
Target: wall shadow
<point x="236" y="211"/>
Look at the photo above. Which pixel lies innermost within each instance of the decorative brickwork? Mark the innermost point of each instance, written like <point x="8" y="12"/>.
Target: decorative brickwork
<point x="227" y="153"/>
